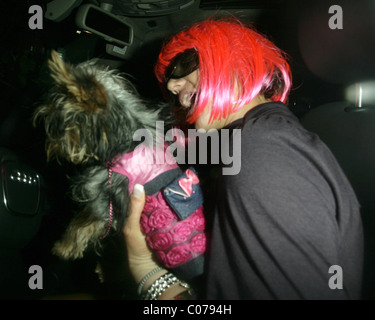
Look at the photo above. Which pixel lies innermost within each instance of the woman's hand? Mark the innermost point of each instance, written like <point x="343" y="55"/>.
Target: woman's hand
<point x="140" y="256"/>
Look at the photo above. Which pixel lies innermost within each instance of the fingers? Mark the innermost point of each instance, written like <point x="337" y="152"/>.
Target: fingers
<point x="140" y="256"/>
<point x="137" y="203"/>
<point x="139" y="192"/>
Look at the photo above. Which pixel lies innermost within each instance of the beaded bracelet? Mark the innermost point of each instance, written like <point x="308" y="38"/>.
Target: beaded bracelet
<point x="159" y="286"/>
<point x="146" y="277"/>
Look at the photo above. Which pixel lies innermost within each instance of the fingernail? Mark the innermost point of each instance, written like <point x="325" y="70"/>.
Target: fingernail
<point x="138" y="191"/>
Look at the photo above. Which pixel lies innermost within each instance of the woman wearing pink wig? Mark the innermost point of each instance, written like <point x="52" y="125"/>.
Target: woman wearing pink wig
<point x="287" y="226"/>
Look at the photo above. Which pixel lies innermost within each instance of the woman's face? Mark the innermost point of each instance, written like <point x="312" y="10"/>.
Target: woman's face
<point x="185" y="89"/>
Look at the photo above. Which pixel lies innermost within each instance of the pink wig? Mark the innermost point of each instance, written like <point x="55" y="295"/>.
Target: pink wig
<point x="235" y="64"/>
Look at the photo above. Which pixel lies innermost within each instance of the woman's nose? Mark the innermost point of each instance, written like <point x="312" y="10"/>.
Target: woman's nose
<point x="175" y="85"/>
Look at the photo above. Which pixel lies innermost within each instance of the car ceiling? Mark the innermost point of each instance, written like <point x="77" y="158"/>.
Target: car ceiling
<point x="158" y="19"/>
<point x="174" y="15"/>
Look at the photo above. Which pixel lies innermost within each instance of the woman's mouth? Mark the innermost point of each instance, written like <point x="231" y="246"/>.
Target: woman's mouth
<point x="186" y="99"/>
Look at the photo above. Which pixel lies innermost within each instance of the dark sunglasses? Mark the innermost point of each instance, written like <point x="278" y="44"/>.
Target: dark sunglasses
<point x="182" y="65"/>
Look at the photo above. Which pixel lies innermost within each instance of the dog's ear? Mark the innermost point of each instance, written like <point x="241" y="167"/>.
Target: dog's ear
<point x="60" y="72"/>
<point x="89" y="94"/>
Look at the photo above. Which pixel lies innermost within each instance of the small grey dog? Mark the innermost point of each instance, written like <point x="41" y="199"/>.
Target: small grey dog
<point x="90" y="118"/>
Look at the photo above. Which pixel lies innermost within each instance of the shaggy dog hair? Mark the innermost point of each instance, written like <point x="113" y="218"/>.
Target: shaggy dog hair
<point x="89" y="118"/>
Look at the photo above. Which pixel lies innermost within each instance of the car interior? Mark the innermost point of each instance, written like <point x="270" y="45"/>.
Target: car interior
<point x="330" y="47"/>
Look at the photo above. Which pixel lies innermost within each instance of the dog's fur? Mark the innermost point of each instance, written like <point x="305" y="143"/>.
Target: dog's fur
<point x="89" y="118"/>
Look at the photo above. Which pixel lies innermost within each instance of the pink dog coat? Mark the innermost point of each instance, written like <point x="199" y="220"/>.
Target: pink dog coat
<point x="172" y="219"/>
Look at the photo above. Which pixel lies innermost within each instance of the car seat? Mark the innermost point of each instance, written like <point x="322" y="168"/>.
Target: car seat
<point x="349" y="131"/>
